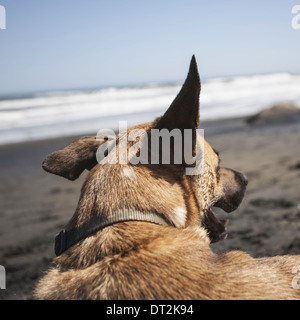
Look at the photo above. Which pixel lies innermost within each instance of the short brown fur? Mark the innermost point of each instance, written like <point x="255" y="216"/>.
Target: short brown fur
<point x="141" y="260"/>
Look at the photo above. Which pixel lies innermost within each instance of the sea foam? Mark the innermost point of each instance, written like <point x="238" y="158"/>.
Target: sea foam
<point x="63" y="113"/>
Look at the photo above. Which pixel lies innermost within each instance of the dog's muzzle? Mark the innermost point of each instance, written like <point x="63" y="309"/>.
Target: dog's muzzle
<point x="229" y="202"/>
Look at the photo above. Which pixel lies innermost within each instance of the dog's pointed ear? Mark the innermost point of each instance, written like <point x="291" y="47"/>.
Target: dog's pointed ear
<point x="72" y="160"/>
<point x="183" y="113"/>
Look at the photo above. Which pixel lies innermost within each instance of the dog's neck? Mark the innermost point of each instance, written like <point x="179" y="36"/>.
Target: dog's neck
<point x="113" y="187"/>
<point x="110" y="188"/>
<point x="68" y="238"/>
<point x="120" y="239"/>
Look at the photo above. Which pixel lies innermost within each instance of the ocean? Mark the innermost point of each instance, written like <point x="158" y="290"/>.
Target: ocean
<point x="75" y="112"/>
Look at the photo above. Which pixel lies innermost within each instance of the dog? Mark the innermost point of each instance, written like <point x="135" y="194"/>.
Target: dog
<point x="143" y="231"/>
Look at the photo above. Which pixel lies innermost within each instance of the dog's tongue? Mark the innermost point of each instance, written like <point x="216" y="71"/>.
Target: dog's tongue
<point x="216" y="228"/>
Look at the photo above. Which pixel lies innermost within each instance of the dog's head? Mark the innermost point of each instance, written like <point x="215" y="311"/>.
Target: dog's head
<point x="183" y="190"/>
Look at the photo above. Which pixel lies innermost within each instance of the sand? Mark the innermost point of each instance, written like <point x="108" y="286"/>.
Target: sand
<point x="36" y="205"/>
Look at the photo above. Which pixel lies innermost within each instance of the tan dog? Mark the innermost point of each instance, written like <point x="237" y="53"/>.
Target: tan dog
<point x="143" y="231"/>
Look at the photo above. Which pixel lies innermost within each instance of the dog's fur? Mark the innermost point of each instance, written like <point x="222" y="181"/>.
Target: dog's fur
<point x="142" y="260"/>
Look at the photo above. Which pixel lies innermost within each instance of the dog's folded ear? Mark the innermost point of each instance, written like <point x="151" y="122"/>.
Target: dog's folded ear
<point x="72" y="160"/>
<point x="183" y="113"/>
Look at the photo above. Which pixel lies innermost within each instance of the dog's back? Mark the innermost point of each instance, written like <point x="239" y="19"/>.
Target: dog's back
<point x="121" y="262"/>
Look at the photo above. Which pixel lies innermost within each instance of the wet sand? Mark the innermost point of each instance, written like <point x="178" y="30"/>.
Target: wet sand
<point x="36" y="205"/>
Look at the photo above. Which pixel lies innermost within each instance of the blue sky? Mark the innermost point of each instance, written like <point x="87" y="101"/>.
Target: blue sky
<point x="62" y="44"/>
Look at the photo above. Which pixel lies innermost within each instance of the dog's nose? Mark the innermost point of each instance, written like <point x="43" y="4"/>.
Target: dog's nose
<point x="243" y="178"/>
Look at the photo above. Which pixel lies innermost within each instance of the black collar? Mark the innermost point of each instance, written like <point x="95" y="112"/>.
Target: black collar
<point x="67" y="238"/>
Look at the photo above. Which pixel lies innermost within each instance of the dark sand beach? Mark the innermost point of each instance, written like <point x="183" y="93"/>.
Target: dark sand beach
<point x="36" y="205"/>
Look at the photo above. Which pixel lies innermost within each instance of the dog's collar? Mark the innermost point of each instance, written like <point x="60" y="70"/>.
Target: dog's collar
<point x="67" y="238"/>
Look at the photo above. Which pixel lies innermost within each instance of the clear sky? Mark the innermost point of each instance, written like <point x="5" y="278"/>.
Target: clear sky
<point x="72" y="44"/>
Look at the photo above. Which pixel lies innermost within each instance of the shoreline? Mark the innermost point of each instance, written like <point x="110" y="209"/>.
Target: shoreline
<point x="210" y="126"/>
<point x="216" y="126"/>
